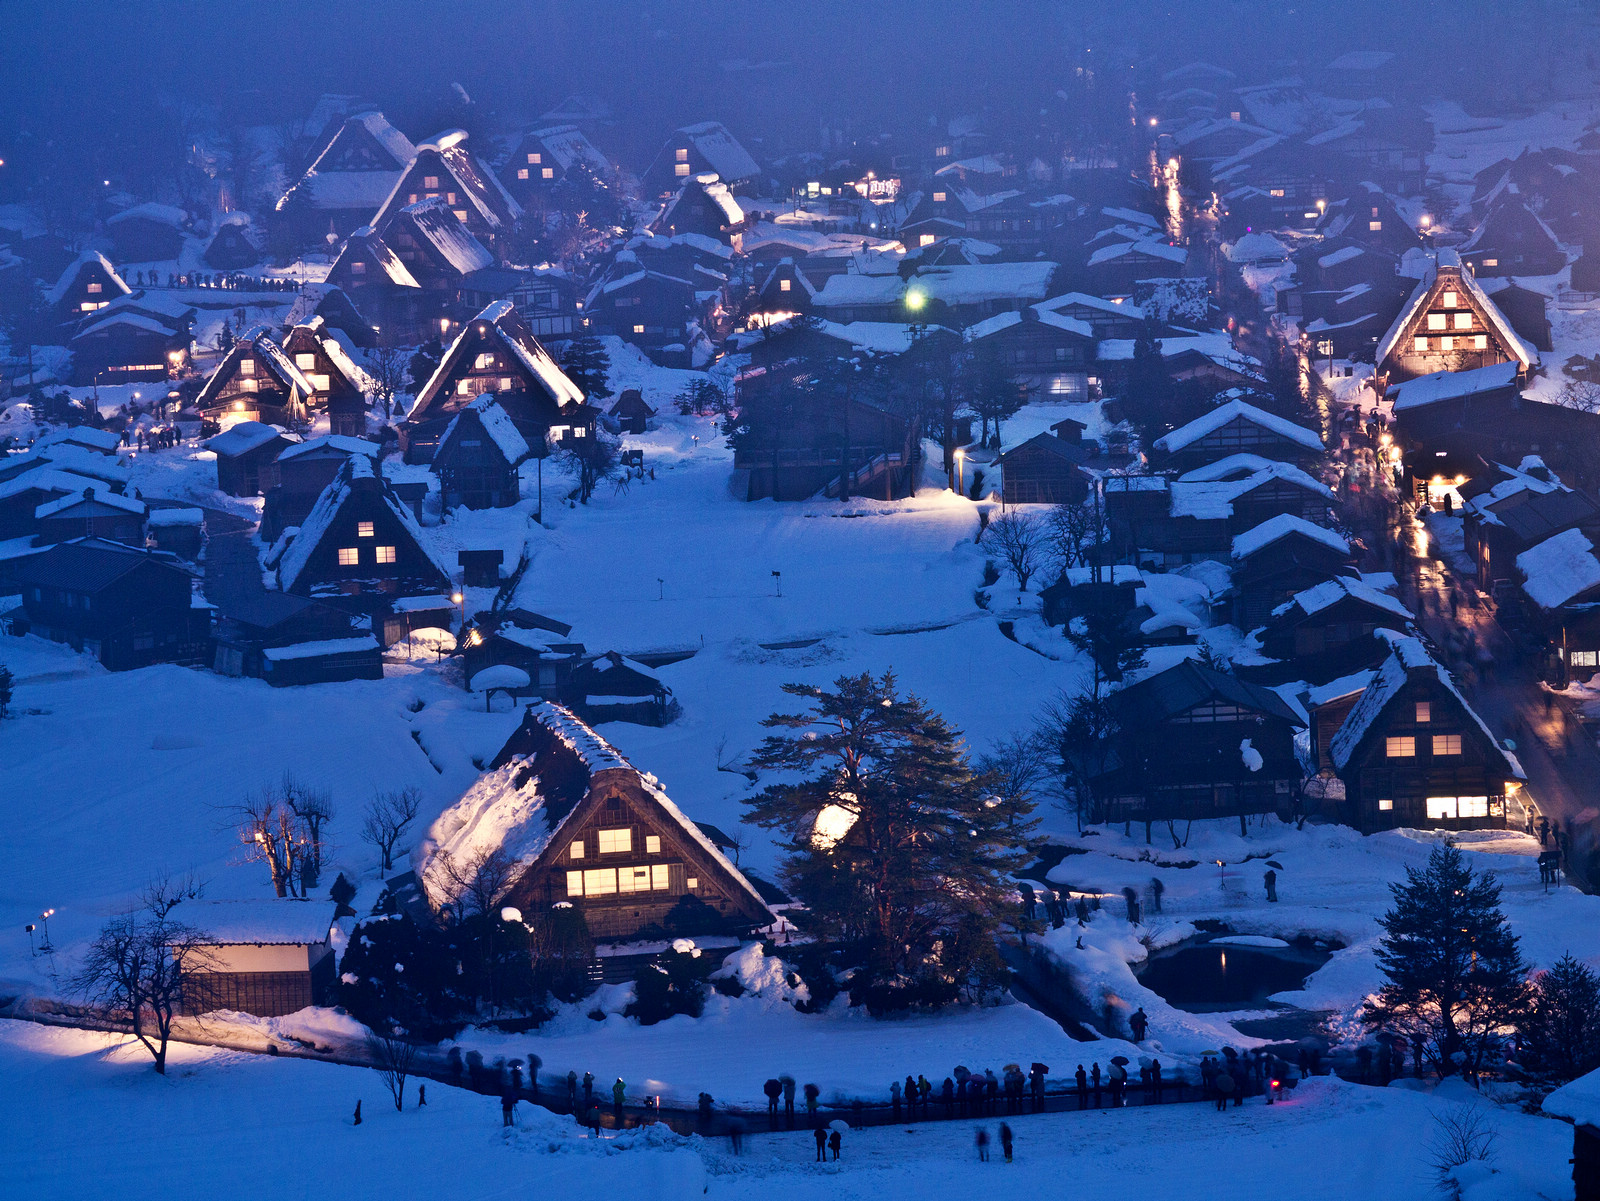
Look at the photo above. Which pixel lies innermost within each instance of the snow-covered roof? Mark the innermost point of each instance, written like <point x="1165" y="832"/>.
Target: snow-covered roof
<point x="1453" y="385"/>
<point x="80" y="460"/>
<point x="1213" y="500"/>
<point x="497" y="425"/>
<point x="246" y="436"/>
<point x="80" y="435"/>
<point x="1559" y="570"/>
<point x="567" y="145"/>
<point x="1004" y="321"/>
<point x="1066" y="299"/>
<point x="1408" y="655"/>
<point x="277" y="922"/>
<point x="343" y="443"/>
<point x="162" y="214"/>
<point x="1342" y="687"/>
<point x="259" y="340"/>
<point x="1149" y="247"/>
<point x="321" y="649"/>
<point x="722" y="150"/>
<point x="394" y="269"/>
<point x="1524" y="350"/>
<point x="480" y="187"/>
<point x="1281" y="526"/>
<point x="139" y="321"/>
<point x="67" y="277"/>
<point x="1315" y="599"/>
<point x="1578" y="1101"/>
<point x="436" y="223"/>
<point x="50" y="479"/>
<point x="1220" y="416"/>
<point x="168" y="518"/>
<point x="335" y="344"/>
<point x="99" y="495"/>
<point x="1256" y="248"/>
<point x="501" y="317"/>
<point x="1236" y="465"/>
<point x="1343" y="255"/>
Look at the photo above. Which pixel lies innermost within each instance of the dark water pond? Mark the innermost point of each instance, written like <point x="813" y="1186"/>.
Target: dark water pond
<point x="1214" y="977"/>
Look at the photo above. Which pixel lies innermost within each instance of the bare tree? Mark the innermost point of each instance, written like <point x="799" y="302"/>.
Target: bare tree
<point x="146" y="968"/>
<point x="1069" y="529"/>
<point x="394" y="1058"/>
<point x="1461" y="1136"/>
<point x="477" y="882"/>
<point x="1580" y="394"/>
<point x="270" y="833"/>
<point x="386" y="368"/>
<point x="1018" y="764"/>
<point x="388" y="816"/>
<point x="1016" y="536"/>
<point x="315" y="811"/>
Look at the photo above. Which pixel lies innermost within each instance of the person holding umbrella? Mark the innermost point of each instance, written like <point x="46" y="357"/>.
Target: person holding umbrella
<point x="836" y="1139"/>
<point x="1119" y="1080"/>
<point x="1271" y="879"/>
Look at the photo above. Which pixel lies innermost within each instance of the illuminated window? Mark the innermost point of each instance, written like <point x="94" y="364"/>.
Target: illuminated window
<point x="89" y="306"/>
<point x="1480" y="341"/>
<point x="386" y="554"/>
<point x="484" y="362"/>
<point x="681" y="170"/>
<point x="682" y="154"/>
<point x="660" y="876"/>
<point x="1447" y="744"/>
<point x="412" y="199"/>
<point x="349" y="556"/>
<point x="460" y="215"/>
<point x="1441" y="808"/>
<point x="1374" y="226"/>
<point x="1438" y="321"/>
<point x="692" y="882"/>
<point x="925" y="240"/>
<point x="522" y="173"/>
<point x="633" y="879"/>
<point x="363" y="529"/>
<point x="1472" y="806"/>
<point x="533" y="157"/>
<point x="941" y="152"/>
<point x="1464" y="319"/>
<point x="1400" y="748"/>
<point x="1447" y="344"/>
<point x="574" y="884"/>
<point x="1278" y="192"/>
<point x="505" y="383"/>
<point x="247" y="367"/>
<point x="548" y="173"/>
<point x="652" y="844"/>
<point x="305" y="361"/>
<point x="1491" y="262"/>
<point x="783" y="285"/>
<point x="1584" y="658"/>
<point x="1420" y="345"/>
<point x="575" y="850"/>
<point x="358" y="268"/>
<point x="463" y="386"/>
<point x="1424" y="711"/>
<point x="614" y="842"/>
<point x="1385" y="805"/>
<point x="638" y="329"/>
<point x="599" y="881"/>
<point x="449" y="197"/>
<point x="247" y="385"/>
<point x="938" y="197"/>
<point x="95" y="289"/>
<point x="1450" y="300"/>
<point x="430" y="181"/>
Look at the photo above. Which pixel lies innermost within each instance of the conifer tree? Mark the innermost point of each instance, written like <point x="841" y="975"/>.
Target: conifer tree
<point x="1148" y="385"/>
<point x="895" y="843"/>
<point x="1456" y="977"/>
<point x="588" y="365"/>
<point x="1562" y="1031"/>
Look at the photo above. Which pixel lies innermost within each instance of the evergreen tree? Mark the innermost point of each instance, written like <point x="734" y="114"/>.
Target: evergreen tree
<point x="993" y="393"/>
<point x="1562" y="1031"/>
<point x="894" y="842"/>
<point x="1148" y="385"/>
<point x="588" y="365"/>
<point x="424" y="362"/>
<point x="1455" y="974"/>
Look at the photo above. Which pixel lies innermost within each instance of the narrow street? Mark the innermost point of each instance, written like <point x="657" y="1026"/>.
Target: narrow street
<point x="232" y="570"/>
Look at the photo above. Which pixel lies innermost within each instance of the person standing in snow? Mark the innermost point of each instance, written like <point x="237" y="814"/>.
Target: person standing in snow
<point x="508" y="1108"/>
<point x="925" y="1091"/>
<point x="833" y="1143"/>
<point x="617" y="1093"/>
<point x="1094" y="1073"/>
<point x="1082" y="1078"/>
<point x="894" y="1097"/>
<point x="1157" y="889"/>
<point x="1224" y="1089"/>
<point x="1030" y="901"/>
<point x="774" y="1090"/>
<point x="983" y="1145"/>
<point x="1005" y="1141"/>
<point x="1139" y="1023"/>
<point x="1155" y="1079"/>
<point x="811" y="1092"/>
<point x="572" y="1090"/>
<point x="1271" y="880"/>
<point x="588" y="1088"/>
<point x="788" y="1095"/>
<point x="822" y="1143"/>
<point x="947" y="1094"/>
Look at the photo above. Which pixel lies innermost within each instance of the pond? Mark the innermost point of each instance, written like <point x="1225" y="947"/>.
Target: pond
<point x="1217" y="977"/>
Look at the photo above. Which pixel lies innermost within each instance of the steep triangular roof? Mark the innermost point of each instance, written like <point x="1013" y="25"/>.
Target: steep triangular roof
<point x="496" y="425"/>
<point x="1224" y="413"/>
<point x="259" y="340"/>
<point x="68" y="277"/>
<point x="482" y="190"/>
<point x="500" y="321"/>
<point x="1450" y="260"/>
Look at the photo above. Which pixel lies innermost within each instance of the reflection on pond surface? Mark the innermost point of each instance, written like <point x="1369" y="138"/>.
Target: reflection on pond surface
<point x="1213" y="977"/>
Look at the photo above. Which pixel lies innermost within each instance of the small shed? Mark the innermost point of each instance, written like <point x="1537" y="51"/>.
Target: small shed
<point x="322" y="662"/>
<point x="92" y="514"/>
<point x="632" y="412"/>
<point x="244" y="451"/>
<point x="179" y="531"/>
<point x="478" y="457"/>
<point x="408" y="613"/>
<point x="1044" y="470"/>
<point x="267" y="957"/>
<point x="480" y="568"/>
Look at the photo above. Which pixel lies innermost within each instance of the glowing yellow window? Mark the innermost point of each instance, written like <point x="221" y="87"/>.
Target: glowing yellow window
<point x="522" y="173"/>
<point x="430" y="181"/>
<point x="574" y="884"/>
<point x="1464" y="319"/>
<point x="1420" y="345"/>
<point x="349" y="556"/>
<point x="1450" y="300"/>
<point x="613" y="842"/>
<point x="1400" y="748"/>
<point x="652" y="844"/>
<point x="683" y="155"/>
<point x="533" y="157"/>
<point x="1480" y="341"/>
<point x="548" y="173"/>
<point x="783" y="285"/>
<point x="660" y="876"/>
<point x="681" y="169"/>
<point x="575" y="851"/>
<point x="364" y="529"/>
<point x="1424" y="711"/>
<point x="1447" y="744"/>
<point x="1438" y="321"/>
<point x="938" y="197"/>
<point x="386" y="554"/>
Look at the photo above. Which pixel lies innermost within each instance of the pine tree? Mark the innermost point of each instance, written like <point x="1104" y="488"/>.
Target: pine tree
<point x="1148" y="385"/>
<point x="424" y="362"/>
<point x="894" y="842"/>
<point x="588" y="365"/>
<point x="1562" y="1030"/>
<point x="1455" y="974"/>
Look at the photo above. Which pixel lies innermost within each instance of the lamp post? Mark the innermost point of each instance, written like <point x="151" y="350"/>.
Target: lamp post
<point x="459" y="597"/>
<point x="960" y="474"/>
<point x="44" y="921"/>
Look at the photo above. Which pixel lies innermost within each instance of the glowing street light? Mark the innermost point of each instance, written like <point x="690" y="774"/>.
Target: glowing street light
<point x="915" y="299"/>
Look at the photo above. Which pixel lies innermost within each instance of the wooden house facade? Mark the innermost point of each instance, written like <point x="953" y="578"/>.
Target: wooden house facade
<point x="1044" y="470"/>
<point x="86" y="285"/>
<point x="445" y="169"/>
<point x="294" y="479"/>
<point x="1237" y="427"/>
<point x="126" y="606"/>
<point x="129" y="342"/>
<point x="244" y="451"/>
<point x="235" y="246"/>
<point x="339" y="386"/>
<point x="1047" y="353"/>
<point x="586" y="828"/>
<point x="1331" y="629"/>
<point x="496" y="354"/>
<point x="93" y="513"/>
<point x="347" y="181"/>
<point x="542" y="159"/>
<point x="267" y="958"/>
<point x="703" y="148"/>
<point x="704" y="206"/>
<point x="1279" y="558"/>
<point x="1449" y="324"/>
<point x="276" y="621"/>
<point x="255" y="381"/>
<point x="360" y="545"/>
<point x="1413" y="753"/>
<point x="1512" y="240"/>
<point x="148" y="233"/>
<point x="478" y="457"/>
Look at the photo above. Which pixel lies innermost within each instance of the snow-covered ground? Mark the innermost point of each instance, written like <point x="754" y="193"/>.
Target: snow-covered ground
<point x="83" y="1114"/>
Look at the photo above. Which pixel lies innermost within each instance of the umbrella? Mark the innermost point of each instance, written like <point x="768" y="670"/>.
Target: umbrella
<point x="1144" y="1061"/>
<point x="962" y="1073"/>
<point x="839" y="1124"/>
<point x="1042" y="1068"/>
<point x="1273" y="863"/>
<point x="1213" y="1054"/>
<point x="1011" y="1067"/>
<point x="1120" y="1060"/>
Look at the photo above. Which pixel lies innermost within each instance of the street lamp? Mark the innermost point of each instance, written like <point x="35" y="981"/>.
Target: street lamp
<point x="960" y="475"/>
<point x="459" y="597"/>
